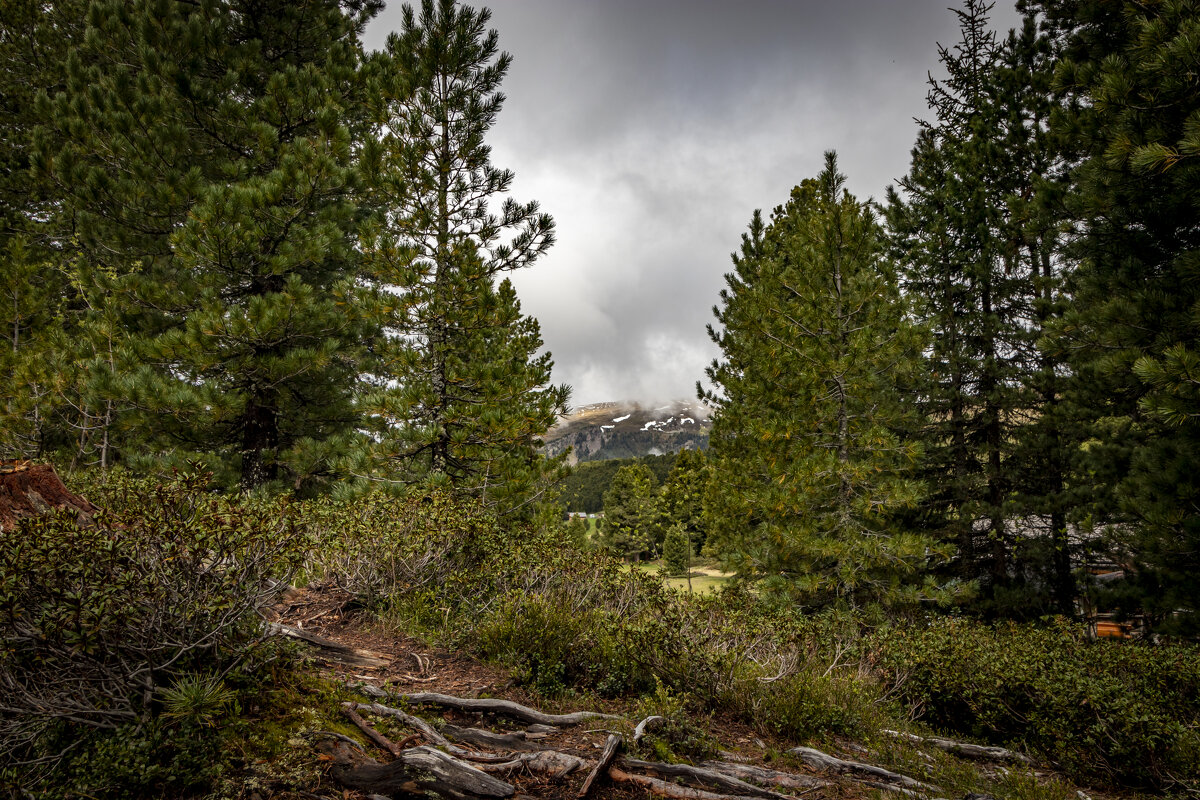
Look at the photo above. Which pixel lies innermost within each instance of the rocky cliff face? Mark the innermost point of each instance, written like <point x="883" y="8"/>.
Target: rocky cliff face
<point x="627" y="430"/>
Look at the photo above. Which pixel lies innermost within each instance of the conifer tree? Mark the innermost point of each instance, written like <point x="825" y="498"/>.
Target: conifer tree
<point x="681" y="499"/>
<point x="202" y="155"/>
<point x="1130" y="115"/>
<point x="463" y="393"/>
<point x="630" y="512"/>
<point x="808" y="468"/>
<point x="979" y="258"/>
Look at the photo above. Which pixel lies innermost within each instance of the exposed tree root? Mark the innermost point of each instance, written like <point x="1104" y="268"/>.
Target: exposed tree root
<point x="762" y="775"/>
<point x="417" y="770"/>
<point x="977" y="752"/>
<point x="700" y="777"/>
<point x="610" y="752"/>
<point x="828" y="763"/>
<point x="664" y="789"/>
<point x="505" y="708"/>
<point x="334" y="651"/>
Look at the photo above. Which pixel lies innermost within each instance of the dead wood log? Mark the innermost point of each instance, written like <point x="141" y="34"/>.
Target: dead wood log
<point x="824" y="761"/>
<point x="611" y="746"/>
<point x="977" y="752"/>
<point x="504" y="708"/>
<point x="700" y="778"/>
<point x="418" y="770"/>
<point x="547" y="763"/>
<point x="640" y="730"/>
<point x="334" y="651"/>
<point x="665" y="789"/>
<point x="484" y="738"/>
<point x="762" y="775"/>
<point x="30" y="490"/>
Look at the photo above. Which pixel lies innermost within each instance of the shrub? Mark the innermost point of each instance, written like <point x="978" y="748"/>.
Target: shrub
<point x="103" y="623"/>
<point x="1126" y="711"/>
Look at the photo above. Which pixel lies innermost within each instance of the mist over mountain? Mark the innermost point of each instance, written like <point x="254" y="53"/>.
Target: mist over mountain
<point x="629" y="429"/>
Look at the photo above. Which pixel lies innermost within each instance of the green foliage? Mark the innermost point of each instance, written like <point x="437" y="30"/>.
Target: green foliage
<point x="584" y="488"/>
<point x="118" y="631"/>
<point x="677" y="735"/>
<point x="630" y="525"/>
<point x="462" y="391"/>
<point x="208" y="222"/>
<point x="677" y="551"/>
<point x="1124" y="711"/>
<point x="809" y="467"/>
<point x="1133" y="329"/>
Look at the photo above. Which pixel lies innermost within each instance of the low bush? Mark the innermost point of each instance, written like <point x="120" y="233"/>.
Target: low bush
<point x="1127" y="712"/>
<point x="149" y="610"/>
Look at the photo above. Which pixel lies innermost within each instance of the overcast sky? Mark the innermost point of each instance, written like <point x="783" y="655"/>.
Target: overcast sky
<point x="652" y="129"/>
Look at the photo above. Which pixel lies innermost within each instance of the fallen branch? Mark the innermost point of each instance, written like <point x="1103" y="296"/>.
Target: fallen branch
<point x="483" y="738"/>
<point x="977" y="752"/>
<point x="762" y="775"/>
<point x="548" y="763"/>
<point x="416" y="723"/>
<point x="384" y="743"/>
<point x="640" y="730"/>
<point x="505" y="708"/>
<point x="611" y="746"/>
<point x="417" y="770"/>
<point x="701" y="778"/>
<point x="335" y="651"/>
<point x="824" y="761"/>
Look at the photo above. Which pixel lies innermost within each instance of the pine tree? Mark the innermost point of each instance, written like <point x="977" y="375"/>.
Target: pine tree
<point x="37" y="302"/>
<point x="1129" y="111"/>
<point x="808" y="469"/>
<point x="630" y="513"/>
<point x="979" y="258"/>
<point x="202" y="154"/>
<point x="463" y="395"/>
<point x="682" y="496"/>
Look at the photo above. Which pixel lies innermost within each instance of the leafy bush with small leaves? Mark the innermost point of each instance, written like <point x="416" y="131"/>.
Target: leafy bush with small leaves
<point x="1129" y="712"/>
<point x="675" y="735"/>
<point x="151" y="604"/>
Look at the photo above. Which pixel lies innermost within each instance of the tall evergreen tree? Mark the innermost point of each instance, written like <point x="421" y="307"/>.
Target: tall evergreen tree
<point x="202" y="157"/>
<point x="463" y="394"/>
<point x="808" y="467"/>
<point x="1131" y="116"/>
<point x="38" y="305"/>
<point x="978" y="256"/>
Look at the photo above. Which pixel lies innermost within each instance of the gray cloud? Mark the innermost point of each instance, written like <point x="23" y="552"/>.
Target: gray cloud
<point x="651" y="130"/>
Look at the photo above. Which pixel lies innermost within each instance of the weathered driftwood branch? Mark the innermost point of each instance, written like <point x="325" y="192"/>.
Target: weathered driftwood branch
<point x="416" y="723"/>
<point x="417" y="770"/>
<point x="504" y="708"/>
<point x="334" y="651"/>
<point x="762" y="775"/>
<point x="665" y="789"/>
<point x="977" y="752"/>
<point x="700" y="778"/>
<point x="824" y="761"/>
<point x="640" y="730"/>
<point x="548" y="763"/>
<point x="484" y="738"/>
<point x="384" y="743"/>
<point x="611" y="746"/>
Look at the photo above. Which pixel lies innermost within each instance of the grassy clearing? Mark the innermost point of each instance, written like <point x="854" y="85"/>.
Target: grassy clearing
<point x="705" y="580"/>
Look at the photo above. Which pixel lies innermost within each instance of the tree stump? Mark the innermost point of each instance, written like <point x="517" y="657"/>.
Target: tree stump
<point x="29" y="490"/>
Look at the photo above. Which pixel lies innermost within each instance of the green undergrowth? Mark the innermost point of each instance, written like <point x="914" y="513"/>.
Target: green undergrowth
<point x="100" y="608"/>
<point x="570" y="624"/>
